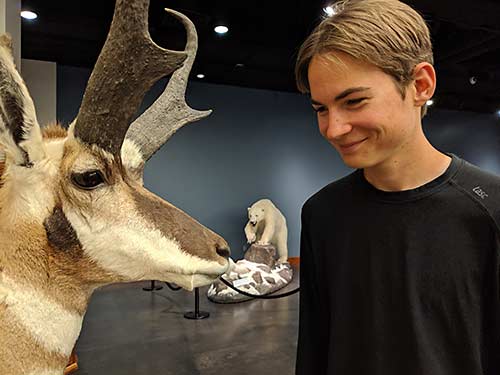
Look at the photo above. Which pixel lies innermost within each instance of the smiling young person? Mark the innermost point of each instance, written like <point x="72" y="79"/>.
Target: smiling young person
<point x="400" y="259"/>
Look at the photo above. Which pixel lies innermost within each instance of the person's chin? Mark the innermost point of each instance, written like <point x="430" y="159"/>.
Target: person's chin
<point x="357" y="161"/>
<point x="353" y="162"/>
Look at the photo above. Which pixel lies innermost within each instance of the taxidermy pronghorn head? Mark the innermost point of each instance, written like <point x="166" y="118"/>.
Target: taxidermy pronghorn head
<point x="73" y="212"/>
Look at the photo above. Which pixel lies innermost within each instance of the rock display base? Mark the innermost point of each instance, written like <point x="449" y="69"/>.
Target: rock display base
<point x="259" y="278"/>
<point x="262" y="254"/>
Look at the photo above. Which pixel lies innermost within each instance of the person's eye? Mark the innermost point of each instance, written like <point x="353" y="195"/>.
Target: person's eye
<point x="321" y="109"/>
<point x="354" y="102"/>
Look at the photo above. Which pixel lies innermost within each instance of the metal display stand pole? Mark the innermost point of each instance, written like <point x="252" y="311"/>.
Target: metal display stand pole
<point x="196" y="314"/>
<point x="153" y="287"/>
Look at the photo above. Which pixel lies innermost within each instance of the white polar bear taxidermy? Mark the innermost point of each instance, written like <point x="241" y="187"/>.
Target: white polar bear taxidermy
<point x="267" y="226"/>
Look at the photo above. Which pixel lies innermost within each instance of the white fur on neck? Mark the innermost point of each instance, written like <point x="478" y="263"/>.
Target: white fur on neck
<point x="50" y="324"/>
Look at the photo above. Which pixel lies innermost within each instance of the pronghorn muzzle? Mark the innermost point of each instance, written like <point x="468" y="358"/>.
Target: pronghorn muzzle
<point x="193" y="238"/>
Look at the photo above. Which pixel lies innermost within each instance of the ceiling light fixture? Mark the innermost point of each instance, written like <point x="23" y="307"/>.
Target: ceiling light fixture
<point x="29" y="15"/>
<point x="221" y="29"/>
<point x="200" y="76"/>
<point x="329" y="11"/>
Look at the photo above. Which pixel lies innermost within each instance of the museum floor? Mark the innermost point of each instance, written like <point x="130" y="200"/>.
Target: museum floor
<point x="131" y="332"/>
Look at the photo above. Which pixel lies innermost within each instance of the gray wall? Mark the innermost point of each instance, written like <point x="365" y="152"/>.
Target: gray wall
<point x="258" y="144"/>
<point x="472" y="136"/>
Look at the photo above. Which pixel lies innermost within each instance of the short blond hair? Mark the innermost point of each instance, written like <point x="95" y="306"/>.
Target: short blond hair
<point x="386" y="33"/>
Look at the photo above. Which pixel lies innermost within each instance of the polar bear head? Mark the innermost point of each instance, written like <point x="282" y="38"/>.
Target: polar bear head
<point x="257" y="212"/>
<point x="255" y="215"/>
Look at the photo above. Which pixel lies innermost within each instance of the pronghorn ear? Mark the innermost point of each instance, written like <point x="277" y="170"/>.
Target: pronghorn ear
<point x="20" y="134"/>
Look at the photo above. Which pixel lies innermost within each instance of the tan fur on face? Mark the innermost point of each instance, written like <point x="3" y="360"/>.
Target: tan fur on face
<point x="120" y="195"/>
<point x="64" y="279"/>
<point x="198" y="241"/>
<point x="68" y="278"/>
<point x="80" y="275"/>
<point x="79" y="158"/>
<point x="53" y="131"/>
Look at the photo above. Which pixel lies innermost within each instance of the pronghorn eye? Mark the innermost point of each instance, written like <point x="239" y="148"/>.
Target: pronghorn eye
<point x="87" y="180"/>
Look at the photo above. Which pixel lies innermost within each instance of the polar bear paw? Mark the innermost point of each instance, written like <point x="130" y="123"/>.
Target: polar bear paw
<point x="283" y="260"/>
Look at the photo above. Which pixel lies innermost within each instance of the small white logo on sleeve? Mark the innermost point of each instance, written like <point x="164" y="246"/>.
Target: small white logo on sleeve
<point x="480" y="192"/>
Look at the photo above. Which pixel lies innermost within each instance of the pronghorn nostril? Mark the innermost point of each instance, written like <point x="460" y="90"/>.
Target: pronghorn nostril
<point x="223" y="252"/>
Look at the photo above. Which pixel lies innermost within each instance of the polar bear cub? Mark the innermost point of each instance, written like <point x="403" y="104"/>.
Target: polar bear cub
<point x="267" y="226"/>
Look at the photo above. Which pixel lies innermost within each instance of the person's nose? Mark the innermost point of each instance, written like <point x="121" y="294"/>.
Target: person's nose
<point x="337" y="126"/>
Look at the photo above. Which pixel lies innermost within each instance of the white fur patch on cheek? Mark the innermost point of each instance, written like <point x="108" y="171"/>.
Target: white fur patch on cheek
<point x="135" y="251"/>
<point x="51" y="325"/>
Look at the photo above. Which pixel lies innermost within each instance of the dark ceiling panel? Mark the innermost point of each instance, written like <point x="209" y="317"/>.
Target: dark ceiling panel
<point x="260" y="49"/>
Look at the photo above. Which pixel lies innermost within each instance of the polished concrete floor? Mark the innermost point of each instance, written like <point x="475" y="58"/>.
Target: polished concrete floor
<point x="131" y="332"/>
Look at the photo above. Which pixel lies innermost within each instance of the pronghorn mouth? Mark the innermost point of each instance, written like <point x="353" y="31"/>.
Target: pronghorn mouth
<point x="197" y="279"/>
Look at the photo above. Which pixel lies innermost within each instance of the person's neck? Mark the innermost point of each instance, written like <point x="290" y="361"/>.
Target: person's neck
<point x="414" y="166"/>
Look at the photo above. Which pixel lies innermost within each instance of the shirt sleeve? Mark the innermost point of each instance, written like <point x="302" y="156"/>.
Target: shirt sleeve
<point x="312" y="346"/>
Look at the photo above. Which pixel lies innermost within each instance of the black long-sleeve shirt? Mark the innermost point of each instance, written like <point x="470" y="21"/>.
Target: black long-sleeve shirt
<point x="402" y="283"/>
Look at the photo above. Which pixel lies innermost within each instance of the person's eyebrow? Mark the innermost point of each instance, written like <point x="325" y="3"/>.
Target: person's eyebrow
<point x="350" y="91"/>
<point x="343" y="94"/>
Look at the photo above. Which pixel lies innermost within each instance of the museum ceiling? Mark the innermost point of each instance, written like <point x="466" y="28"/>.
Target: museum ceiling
<point x="260" y="48"/>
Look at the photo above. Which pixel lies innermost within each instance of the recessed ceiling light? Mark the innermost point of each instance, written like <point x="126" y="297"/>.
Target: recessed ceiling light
<point x="498" y="113"/>
<point x="221" y="29"/>
<point x="28" y="15"/>
<point x="200" y="76"/>
<point x="329" y="10"/>
<point x="430" y="102"/>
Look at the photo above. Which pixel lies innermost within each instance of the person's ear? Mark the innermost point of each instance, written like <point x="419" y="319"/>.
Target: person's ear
<point x="424" y="81"/>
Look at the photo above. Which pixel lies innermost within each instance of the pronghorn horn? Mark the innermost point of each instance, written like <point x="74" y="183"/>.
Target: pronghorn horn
<point x="129" y="64"/>
<point x="170" y="111"/>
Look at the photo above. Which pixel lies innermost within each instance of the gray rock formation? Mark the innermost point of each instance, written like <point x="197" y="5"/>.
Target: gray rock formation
<point x="259" y="274"/>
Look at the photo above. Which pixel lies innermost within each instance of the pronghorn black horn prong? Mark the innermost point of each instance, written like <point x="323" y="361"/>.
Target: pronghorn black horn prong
<point x="129" y="64"/>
